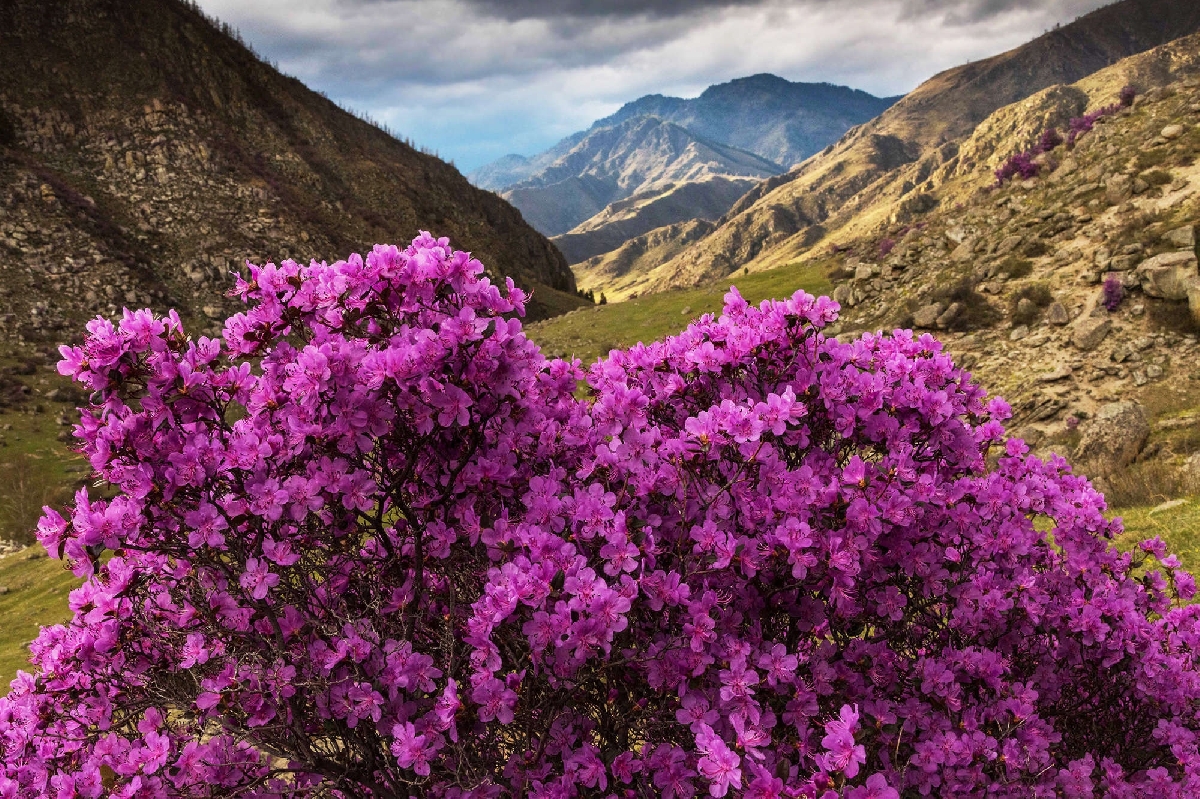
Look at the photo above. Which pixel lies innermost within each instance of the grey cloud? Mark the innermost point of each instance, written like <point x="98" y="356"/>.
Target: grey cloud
<point x="526" y="9"/>
<point x="969" y="12"/>
<point x="475" y="79"/>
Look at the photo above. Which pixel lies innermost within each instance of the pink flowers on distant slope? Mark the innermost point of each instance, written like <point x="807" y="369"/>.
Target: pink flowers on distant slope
<point x="372" y="544"/>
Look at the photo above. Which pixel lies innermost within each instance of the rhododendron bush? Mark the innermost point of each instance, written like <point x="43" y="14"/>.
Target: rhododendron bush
<point x="374" y="544"/>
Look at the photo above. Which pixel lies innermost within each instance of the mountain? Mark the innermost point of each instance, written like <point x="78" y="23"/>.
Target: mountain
<point x="1073" y="293"/>
<point x="567" y="191"/>
<point x="891" y="167"/>
<point x="145" y="152"/>
<point x="636" y="156"/>
<point x="782" y="121"/>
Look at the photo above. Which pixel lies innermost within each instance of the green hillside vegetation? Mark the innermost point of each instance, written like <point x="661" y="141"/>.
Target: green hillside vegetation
<point x="590" y="333"/>
<point x="33" y="593"/>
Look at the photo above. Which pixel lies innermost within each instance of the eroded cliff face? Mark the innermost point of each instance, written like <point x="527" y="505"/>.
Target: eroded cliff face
<point x="145" y="154"/>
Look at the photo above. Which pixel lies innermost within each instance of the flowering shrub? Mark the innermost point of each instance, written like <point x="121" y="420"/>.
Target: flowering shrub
<point x="1049" y="139"/>
<point x="372" y="545"/>
<point x="886" y="246"/>
<point x="1084" y="124"/>
<point x="1114" y="293"/>
<point x="1023" y="164"/>
<point x="1019" y="164"/>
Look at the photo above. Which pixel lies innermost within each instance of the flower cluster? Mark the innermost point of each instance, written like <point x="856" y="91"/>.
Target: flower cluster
<point x="1023" y="164"/>
<point x="374" y="544"/>
<point x="1114" y="293"/>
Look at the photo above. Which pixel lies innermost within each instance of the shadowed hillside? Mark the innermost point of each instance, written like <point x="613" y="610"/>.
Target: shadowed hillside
<point x="145" y="153"/>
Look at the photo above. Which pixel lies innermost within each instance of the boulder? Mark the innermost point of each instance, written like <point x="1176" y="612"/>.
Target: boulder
<point x="1168" y="276"/>
<point x="1118" y="189"/>
<point x="927" y="315"/>
<point x="1008" y="244"/>
<point x="843" y="295"/>
<point x="1113" y="438"/>
<point x="947" y="318"/>
<point x="1182" y="237"/>
<point x="1090" y="332"/>
<point x="963" y="252"/>
<point x="1194" y="301"/>
<point x="1056" y="314"/>
<point x="1172" y="132"/>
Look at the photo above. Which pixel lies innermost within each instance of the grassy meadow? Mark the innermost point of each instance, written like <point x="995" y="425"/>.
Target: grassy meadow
<point x="590" y="333"/>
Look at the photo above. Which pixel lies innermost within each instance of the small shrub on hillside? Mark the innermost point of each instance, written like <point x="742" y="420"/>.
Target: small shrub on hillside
<point x="1127" y="95"/>
<point x="1157" y="177"/>
<point x="886" y="246"/>
<point x="752" y="561"/>
<point x="1078" y="126"/>
<point x="27" y="485"/>
<point x="1017" y="165"/>
<point x="977" y="313"/>
<point x="839" y="271"/>
<point x="1049" y="139"/>
<point x="1114" y="293"/>
<point x="1035" y="249"/>
<point x="1151" y="158"/>
<point x="1015" y="267"/>
<point x="1148" y="483"/>
<point x="1038" y="296"/>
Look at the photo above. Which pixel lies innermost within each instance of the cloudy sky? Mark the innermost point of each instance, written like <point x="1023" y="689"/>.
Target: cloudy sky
<point x="476" y="79"/>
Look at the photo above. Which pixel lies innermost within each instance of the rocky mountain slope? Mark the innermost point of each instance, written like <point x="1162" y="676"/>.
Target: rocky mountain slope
<point x="639" y="156"/>
<point x="780" y="120"/>
<point x="894" y="165"/>
<point x="580" y="191"/>
<point x="145" y="153"/>
<point x="1075" y="294"/>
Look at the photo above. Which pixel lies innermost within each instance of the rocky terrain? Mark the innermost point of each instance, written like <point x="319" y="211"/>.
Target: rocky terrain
<point x="162" y="154"/>
<point x="897" y="165"/>
<point x="1074" y="294"/>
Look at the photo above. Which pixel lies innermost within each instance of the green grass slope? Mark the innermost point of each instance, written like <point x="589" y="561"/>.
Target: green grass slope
<point x="590" y="333"/>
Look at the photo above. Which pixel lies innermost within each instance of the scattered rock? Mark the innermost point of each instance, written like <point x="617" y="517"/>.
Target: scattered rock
<point x="1171" y="132"/>
<point x="1118" y="189"/>
<point x="963" y="252"/>
<point x="927" y="315"/>
<point x="1090" y="332"/>
<point x="1061" y="373"/>
<point x="1056" y="314"/>
<point x="1008" y="244"/>
<point x="687" y="309"/>
<point x="1114" y="437"/>
<point x="947" y="318"/>
<point x="1182" y="237"/>
<point x="1019" y="332"/>
<point x="1168" y="276"/>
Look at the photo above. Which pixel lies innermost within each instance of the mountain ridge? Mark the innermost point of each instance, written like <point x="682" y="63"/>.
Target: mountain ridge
<point x="635" y="156"/>
<point x="769" y="118"/>
<point x="164" y="153"/>
<point x="790" y="215"/>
